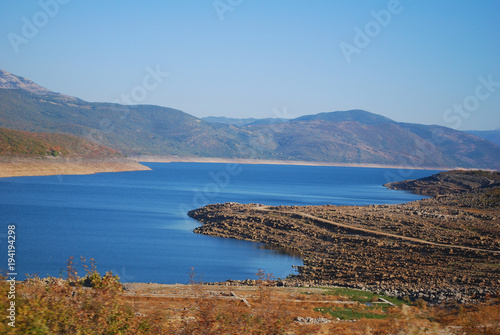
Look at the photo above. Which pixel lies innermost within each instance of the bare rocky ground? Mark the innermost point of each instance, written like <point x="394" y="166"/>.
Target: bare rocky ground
<point x="438" y="249"/>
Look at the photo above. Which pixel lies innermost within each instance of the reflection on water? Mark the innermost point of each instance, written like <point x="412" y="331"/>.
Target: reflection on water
<point x="285" y="251"/>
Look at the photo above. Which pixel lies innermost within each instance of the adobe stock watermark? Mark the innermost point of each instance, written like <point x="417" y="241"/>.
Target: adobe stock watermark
<point x="221" y="179"/>
<point x="372" y="29"/>
<point x="11" y="275"/>
<point x="124" y="277"/>
<point x="223" y="6"/>
<point x="151" y="81"/>
<point x="427" y="148"/>
<point x="456" y="115"/>
<point x="31" y="26"/>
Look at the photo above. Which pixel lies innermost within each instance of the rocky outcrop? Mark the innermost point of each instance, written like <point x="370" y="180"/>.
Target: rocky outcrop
<point x="457" y="181"/>
<point x="12" y="82"/>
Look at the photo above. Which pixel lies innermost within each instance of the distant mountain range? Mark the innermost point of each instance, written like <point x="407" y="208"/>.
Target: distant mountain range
<point x="490" y="135"/>
<point x="356" y="136"/>
<point x="244" y="121"/>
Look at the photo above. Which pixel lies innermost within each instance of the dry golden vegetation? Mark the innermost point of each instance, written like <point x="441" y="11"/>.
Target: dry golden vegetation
<point x="100" y="304"/>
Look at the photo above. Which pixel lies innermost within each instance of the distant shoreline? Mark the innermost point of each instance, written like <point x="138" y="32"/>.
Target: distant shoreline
<point x="49" y="166"/>
<point x="24" y="167"/>
<point x="176" y="159"/>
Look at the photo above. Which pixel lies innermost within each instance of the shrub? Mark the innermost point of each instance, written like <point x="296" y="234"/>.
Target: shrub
<point x="67" y="306"/>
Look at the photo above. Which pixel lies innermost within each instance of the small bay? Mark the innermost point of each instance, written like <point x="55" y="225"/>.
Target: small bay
<point x="135" y="223"/>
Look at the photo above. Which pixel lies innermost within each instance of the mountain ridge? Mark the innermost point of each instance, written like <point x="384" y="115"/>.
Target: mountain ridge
<point x="354" y="136"/>
<point x="10" y="81"/>
<point x="356" y="115"/>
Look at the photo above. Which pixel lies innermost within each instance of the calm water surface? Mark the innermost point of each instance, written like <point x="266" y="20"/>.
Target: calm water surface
<point x="135" y="223"/>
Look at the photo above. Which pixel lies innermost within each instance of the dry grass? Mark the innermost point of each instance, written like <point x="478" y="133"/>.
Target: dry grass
<point x="96" y="304"/>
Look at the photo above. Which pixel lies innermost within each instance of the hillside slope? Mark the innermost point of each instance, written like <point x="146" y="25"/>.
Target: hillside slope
<point x="27" y="144"/>
<point x="138" y="129"/>
<point x="389" y="143"/>
<point x="25" y="153"/>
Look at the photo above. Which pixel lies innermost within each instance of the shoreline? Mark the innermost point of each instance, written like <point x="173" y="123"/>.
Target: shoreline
<point x="49" y="166"/>
<point x="31" y="167"/>
<point x="193" y="159"/>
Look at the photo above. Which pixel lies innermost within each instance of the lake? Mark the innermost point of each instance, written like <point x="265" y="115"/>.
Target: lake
<point x="135" y="223"/>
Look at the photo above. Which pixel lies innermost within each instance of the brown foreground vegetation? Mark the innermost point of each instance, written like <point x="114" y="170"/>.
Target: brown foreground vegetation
<point x="96" y="304"/>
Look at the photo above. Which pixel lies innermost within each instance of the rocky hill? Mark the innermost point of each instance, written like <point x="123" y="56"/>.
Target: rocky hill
<point x="10" y="81"/>
<point x="347" y="137"/>
<point x="449" y="182"/>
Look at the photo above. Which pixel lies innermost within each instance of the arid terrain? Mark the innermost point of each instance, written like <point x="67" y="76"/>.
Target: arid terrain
<point x="437" y="249"/>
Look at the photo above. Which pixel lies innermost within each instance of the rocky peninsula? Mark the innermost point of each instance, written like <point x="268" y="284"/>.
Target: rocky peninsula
<point x="445" y="247"/>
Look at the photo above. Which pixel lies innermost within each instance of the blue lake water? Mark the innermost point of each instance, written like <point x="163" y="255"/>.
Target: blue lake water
<point x="135" y="223"/>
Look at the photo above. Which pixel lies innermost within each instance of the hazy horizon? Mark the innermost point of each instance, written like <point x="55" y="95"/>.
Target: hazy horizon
<point x="409" y="61"/>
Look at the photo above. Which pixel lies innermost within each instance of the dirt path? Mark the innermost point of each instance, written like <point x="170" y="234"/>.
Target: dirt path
<point x="375" y="232"/>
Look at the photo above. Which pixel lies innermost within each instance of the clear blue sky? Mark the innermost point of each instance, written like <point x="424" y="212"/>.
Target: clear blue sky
<point x="256" y="57"/>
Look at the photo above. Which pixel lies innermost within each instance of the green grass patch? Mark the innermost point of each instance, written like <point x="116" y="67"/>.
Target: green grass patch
<point x="353" y="295"/>
<point x="354" y="313"/>
<point x="360" y="296"/>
